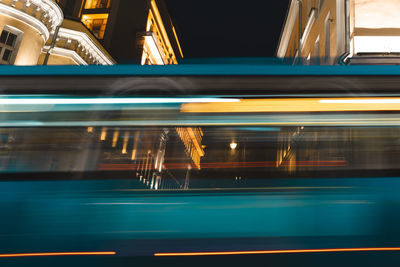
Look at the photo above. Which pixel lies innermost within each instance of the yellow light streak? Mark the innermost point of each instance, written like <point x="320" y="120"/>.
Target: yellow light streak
<point x="195" y="142"/>
<point x="125" y="145"/>
<point x="57" y="254"/>
<point x="115" y="137"/>
<point x="103" y="135"/>
<point x="276" y="251"/>
<point x="296" y="105"/>
<point x="177" y="40"/>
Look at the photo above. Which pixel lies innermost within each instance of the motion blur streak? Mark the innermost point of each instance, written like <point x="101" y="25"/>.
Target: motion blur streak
<point x="362" y="101"/>
<point x="57" y="254"/>
<point x="229" y="165"/>
<point x="77" y="101"/>
<point x="296" y="105"/>
<point x="277" y="251"/>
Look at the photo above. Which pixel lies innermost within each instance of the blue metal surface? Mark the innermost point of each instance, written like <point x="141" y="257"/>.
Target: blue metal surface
<point x="198" y="70"/>
<point x="113" y="215"/>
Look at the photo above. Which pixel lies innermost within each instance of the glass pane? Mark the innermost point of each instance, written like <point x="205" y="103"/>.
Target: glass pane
<point x="3" y="37"/>
<point x="192" y="157"/>
<point x="92" y="4"/>
<point x="11" y="39"/>
<point x="7" y="55"/>
<point x="96" y="23"/>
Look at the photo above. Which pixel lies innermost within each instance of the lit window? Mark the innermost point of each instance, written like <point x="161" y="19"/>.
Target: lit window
<point x="94" y="4"/>
<point x="9" y="42"/>
<point x="96" y="23"/>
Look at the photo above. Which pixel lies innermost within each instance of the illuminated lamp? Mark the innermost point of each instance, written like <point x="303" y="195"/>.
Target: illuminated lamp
<point x="154" y="48"/>
<point x="233" y="145"/>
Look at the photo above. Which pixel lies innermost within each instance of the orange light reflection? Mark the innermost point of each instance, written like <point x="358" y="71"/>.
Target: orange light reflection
<point x="277" y="251"/>
<point x="57" y="254"/>
<point x="296" y="105"/>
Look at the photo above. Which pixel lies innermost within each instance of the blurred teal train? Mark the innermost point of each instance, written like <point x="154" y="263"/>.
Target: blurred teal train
<point x="173" y="165"/>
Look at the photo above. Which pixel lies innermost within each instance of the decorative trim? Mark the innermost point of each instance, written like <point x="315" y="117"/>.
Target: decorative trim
<point x="27" y="19"/>
<point x="87" y="44"/>
<point x="49" y="13"/>
<point x="65" y="53"/>
<point x="310" y="22"/>
<point x="155" y="48"/>
<point x="288" y="29"/>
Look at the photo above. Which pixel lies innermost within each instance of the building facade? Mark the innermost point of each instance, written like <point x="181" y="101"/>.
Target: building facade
<point x="28" y="31"/>
<point x="86" y="32"/>
<point x="136" y="31"/>
<point x="341" y="32"/>
<point x="98" y="32"/>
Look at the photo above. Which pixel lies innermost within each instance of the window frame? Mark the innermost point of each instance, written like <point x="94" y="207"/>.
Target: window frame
<point x="13" y="48"/>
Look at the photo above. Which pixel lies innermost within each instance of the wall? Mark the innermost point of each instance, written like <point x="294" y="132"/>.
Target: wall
<point x="375" y="14"/>
<point x="57" y="60"/>
<point x="332" y="11"/>
<point x="375" y="26"/>
<point x="31" y="44"/>
<point x="318" y="29"/>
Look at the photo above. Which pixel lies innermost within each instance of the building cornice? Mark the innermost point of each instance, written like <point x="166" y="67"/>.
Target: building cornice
<point x="86" y="49"/>
<point x="287" y="29"/>
<point x="43" y="15"/>
<point x="66" y="53"/>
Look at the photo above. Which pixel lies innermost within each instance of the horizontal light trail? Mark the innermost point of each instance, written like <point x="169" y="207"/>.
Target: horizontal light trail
<point x="90" y="101"/>
<point x="361" y="101"/>
<point x="52" y="254"/>
<point x="133" y="203"/>
<point x="243" y="188"/>
<point x="231" y="165"/>
<point x="288" y="251"/>
<point x="296" y="105"/>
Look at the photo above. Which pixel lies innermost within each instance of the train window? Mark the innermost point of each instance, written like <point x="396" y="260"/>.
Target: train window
<point x="197" y="157"/>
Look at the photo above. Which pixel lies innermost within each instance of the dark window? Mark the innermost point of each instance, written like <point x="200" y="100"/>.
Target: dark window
<point x="8" y="43"/>
<point x="11" y="39"/>
<point x="7" y="55"/>
<point x="3" y="37"/>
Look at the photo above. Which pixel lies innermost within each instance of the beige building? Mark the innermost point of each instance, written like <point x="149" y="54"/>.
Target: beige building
<point x="341" y="31"/>
<point x="135" y="31"/>
<point x="35" y="32"/>
<point x="27" y="29"/>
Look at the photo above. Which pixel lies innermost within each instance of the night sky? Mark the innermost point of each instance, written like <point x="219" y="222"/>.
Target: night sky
<point x="228" y="28"/>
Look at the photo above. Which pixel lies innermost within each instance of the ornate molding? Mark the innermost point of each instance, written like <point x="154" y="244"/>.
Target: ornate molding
<point x="43" y="15"/>
<point x="83" y="46"/>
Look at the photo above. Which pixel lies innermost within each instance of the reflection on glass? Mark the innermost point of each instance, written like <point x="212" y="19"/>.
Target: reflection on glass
<point x="93" y="4"/>
<point x="184" y="158"/>
<point x="97" y="23"/>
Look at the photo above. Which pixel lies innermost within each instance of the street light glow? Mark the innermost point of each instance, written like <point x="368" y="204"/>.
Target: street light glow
<point x="233" y="145"/>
